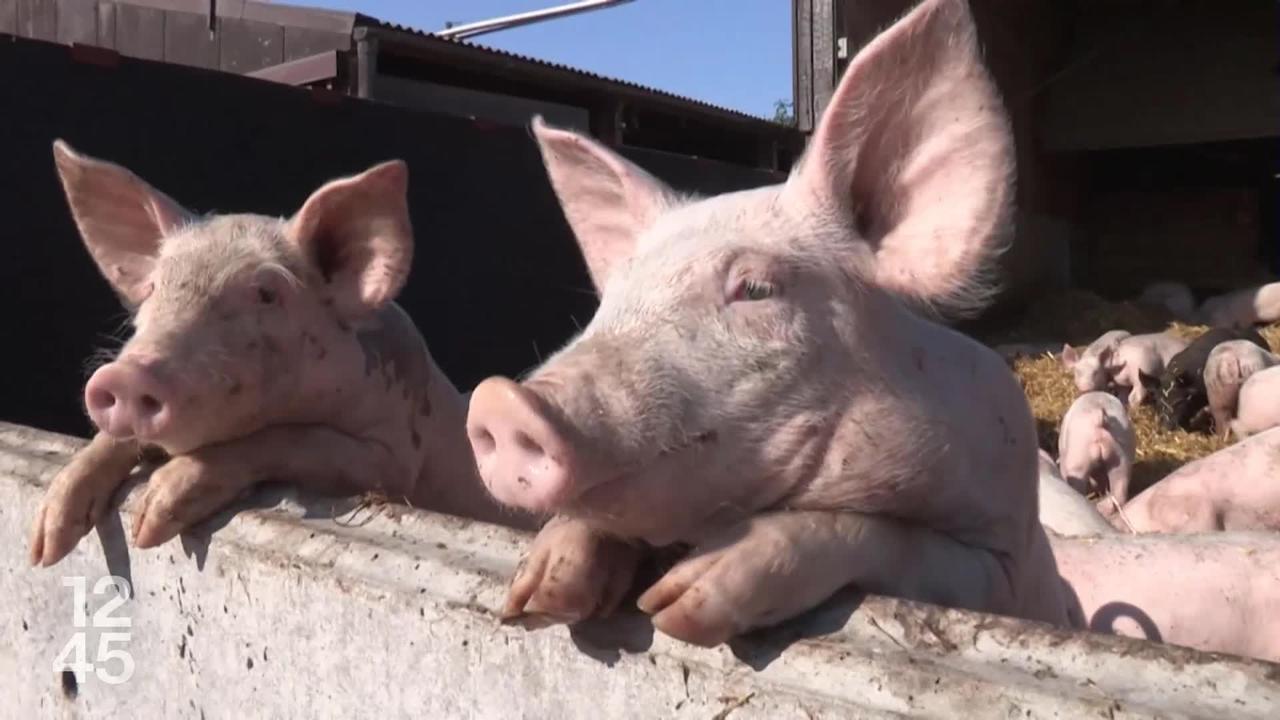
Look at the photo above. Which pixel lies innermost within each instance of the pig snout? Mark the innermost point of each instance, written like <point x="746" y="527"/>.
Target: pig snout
<point x="127" y="399"/>
<point x="521" y="448"/>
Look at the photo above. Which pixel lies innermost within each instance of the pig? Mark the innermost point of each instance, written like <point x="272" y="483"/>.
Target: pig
<point x="1091" y="369"/>
<point x="1243" y="308"/>
<point x="1180" y="391"/>
<point x="1259" y="406"/>
<point x="263" y="349"/>
<point x="1236" y="488"/>
<point x="766" y="381"/>
<point x="1216" y="593"/>
<point x="1119" y="359"/>
<point x="1172" y="296"/>
<point x="1063" y="511"/>
<point x="1229" y="365"/>
<point x="1096" y="446"/>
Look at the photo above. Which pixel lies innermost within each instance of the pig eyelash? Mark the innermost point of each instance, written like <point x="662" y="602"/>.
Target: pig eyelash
<point x="753" y="291"/>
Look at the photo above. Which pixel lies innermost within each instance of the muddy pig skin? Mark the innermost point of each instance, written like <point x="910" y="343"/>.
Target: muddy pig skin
<point x="1219" y="592"/>
<point x="1259" y="406"/>
<point x="1243" y="308"/>
<point x="1236" y="488"/>
<point x="1180" y="393"/>
<point x="1063" y="511"/>
<point x="1229" y="366"/>
<point x="262" y="349"/>
<point x="762" y="380"/>
<point x="1096" y="446"/>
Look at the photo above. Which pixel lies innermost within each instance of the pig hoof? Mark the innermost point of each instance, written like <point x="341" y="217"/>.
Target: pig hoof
<point x="570" y="574"/>
<point x="75" y="501"/>
<point x="183" y="492"/>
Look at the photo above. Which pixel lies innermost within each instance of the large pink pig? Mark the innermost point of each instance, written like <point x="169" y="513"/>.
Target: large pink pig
<point x="1096" y="446"/>
<point x="1236" y="488"/>
<point x="1258" y="408"/>
<point x="759" y="380"/>
<point x="1226" y="370"/>
<point x="1219" y="593"/>
<point x="263" y="349"/>
<point x="1243" y="308"/>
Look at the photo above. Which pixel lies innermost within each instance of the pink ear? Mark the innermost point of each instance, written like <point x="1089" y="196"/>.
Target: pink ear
<point x="914" y="151"/>
<point x="1069" y="356"/>
<point x="121" y="218"/>
<point x="356" y="230"/>
<point x="607" y="199"/>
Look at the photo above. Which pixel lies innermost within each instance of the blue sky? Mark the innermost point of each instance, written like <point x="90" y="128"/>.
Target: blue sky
<point x="735" y="53"/>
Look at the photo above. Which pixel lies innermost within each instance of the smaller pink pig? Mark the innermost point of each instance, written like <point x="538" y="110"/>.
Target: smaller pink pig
<point x="1237" y="488"/>
<point x="1096" y="446"/>
<point x="1259" y="405"/>
<point x="1120" y="359"/>
<point x="1229" y="366"/>
<point x="1243" y="308"/>
<point x="263" y="349"/>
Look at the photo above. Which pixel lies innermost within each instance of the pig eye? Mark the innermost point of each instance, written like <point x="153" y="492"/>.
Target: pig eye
<point x="266" y="296"/>
<point x="751" y="290"/>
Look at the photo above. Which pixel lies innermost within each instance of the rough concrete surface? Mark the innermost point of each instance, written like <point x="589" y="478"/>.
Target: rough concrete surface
<point x="314" y="608"/>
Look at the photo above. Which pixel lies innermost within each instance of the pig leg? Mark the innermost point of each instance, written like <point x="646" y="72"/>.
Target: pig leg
<point x="78" y="495"/>
<point x="571" y="572"/>
<point x="190" y="488"/>
<point x="775" y="566"/>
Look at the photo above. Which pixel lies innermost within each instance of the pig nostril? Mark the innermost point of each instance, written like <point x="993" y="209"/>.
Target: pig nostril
<point x="149" y="405"/>
<point x="102" y="400"/>
<point x="483" y="441"/>
<point x="528" y="444"/>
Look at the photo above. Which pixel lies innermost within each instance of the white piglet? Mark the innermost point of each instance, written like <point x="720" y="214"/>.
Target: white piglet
<point x="1229" y="366"/>
<point x="1259" y="406"/>
<point x="1096" y="447"/>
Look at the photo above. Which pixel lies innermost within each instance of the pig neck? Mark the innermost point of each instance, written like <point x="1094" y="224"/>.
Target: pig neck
<point x="931" y="430"/>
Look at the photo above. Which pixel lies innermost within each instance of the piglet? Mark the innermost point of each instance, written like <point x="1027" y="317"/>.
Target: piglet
<point x="1236" y="488"/>
<point x="1259" y="405"/>
<point x="1181" y="395"/>
<point x="1063" y="511"/>
<point x="1090" y="369"/>
<point x="1118" y="359"/>
<point x="1229" y="365"/>
<point x="762" y="381"/>
<point x="1096" y="447"/>
<point x="1243" y="308"/>
<point x="263" y="349"/>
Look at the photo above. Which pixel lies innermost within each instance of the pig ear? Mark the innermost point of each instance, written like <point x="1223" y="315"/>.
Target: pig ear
<point x="356" y="231"/>
<point x="607" y="199"/>
<point x="914" y="151"/>
<point x="1069" y="356"/>
<point x="121" y="218"/>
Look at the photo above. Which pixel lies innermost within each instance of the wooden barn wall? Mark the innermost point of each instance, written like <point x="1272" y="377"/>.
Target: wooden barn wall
<point x="497" y="280"/>
<point x="249" y="36"/>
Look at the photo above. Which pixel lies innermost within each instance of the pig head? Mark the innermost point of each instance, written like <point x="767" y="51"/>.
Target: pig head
<point x="770" y="349"/>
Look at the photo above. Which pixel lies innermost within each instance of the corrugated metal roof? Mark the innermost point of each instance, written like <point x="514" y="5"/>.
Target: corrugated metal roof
<point x="364" y="20"/>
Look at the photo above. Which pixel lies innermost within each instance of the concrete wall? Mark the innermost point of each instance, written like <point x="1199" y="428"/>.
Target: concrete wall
<point x="308" y="607"/>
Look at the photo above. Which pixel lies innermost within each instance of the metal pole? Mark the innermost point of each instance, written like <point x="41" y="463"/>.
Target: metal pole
<point x="459" y="32"/>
